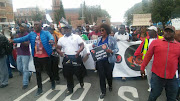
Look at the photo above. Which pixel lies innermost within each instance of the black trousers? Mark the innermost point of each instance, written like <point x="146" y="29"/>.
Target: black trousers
<point x="41" y="63"/>
<point x="69" y="71"/>
<point x="105" y="72"/>
<point x="55" y="68"/>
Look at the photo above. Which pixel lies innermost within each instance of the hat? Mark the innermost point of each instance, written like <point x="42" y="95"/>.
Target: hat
<point x="153" y="28"/>
<point x="64" y="24"/>
<point x="170" y="27"/>
<point x="23" y="25"/>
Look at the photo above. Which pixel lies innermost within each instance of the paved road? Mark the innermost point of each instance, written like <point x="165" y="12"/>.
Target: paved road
<point x="134" y="89"/>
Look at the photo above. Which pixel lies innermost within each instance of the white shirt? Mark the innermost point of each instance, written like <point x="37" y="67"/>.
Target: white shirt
<point x="121" y="37"/>
<point x="70" y="44"/>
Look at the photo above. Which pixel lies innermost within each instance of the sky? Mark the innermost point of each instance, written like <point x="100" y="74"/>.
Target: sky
<point x="116" y="8"/>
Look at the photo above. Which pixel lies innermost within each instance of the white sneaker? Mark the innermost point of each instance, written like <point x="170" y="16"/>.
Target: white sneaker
<point x="149" y="89"/>
<point x="95" y="71"/>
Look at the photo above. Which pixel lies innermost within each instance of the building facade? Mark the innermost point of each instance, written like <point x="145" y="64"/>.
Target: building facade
<point x="24" y="14"/>
<point x="6" y="11"/>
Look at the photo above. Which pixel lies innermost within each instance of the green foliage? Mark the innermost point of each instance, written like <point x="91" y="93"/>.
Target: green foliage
<point x="162" y="10"/>
<point x="91" y="13"/>
<point x="138" y="8"/>
<point x="58" y="14"/>
<point x="38" y="15"/>
<point x="176" y="12"/>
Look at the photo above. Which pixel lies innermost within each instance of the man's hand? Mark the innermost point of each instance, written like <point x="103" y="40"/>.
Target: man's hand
<point x="77" y="54"/>
<point x="61" y="54"/>
<point x="179" y="76"/>
<point x="11" y="41"/>
<point x="142" y="73"/>
<point x="109" y="51"/>
<point x="51" y="42"/>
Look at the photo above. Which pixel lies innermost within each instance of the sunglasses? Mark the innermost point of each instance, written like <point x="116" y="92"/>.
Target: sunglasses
<point x="102" y="30"/>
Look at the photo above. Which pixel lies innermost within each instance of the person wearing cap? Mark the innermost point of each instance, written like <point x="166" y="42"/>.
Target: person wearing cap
<point x="177" y="38"/>
<point x="23" y="56"/>
<point x="41" y="45"/>
<point x="142" y="50"/>
<point x="165" y="64"/>
<point x="70" y="46"/>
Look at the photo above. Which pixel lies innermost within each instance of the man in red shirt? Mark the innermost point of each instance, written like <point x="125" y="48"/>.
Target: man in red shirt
<point x="166" y="57"/>
<point x="95" y="34"/>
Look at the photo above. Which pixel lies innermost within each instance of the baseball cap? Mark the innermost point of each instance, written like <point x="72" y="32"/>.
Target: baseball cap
<point x="64" y="24"/>
<point x="153" y="28"/>
<point x="170" y="27"/>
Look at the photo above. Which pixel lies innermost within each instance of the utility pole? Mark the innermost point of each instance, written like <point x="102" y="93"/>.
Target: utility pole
<point x="83" y="10"/>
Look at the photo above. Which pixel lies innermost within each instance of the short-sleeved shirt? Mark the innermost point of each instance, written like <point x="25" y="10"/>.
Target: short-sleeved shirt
<point x="23" y="49"/>
<point x="70" y="44"/>
<point x="121" y="37"/>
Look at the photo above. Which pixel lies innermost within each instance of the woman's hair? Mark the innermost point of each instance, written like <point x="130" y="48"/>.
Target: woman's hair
<point x="106" y="27"/>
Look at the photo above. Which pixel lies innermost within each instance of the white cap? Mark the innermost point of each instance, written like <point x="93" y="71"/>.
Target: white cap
<point x="153" y="28"/>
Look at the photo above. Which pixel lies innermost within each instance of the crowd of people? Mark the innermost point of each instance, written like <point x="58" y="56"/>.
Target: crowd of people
<point x="160" y="55"/>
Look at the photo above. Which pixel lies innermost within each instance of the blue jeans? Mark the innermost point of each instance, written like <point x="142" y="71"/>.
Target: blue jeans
<point x="157" y="85"/>
<point x="3" y="71"/>
<point x="22" y="66"/>
<point x="10" y="60"/>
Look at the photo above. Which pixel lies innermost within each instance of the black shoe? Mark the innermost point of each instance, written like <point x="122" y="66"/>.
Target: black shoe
<point x="82" y="85"/>
<point x="10" y="76"/>
<point x="3" y="86"/>
<point x="110" y="88"/>
<point x="68" y="93"/>
<point x="57" y="81"/>
<point x="102" y="96"/>
<point x="24" y="86"/>
<point x="53" y="85"/>
<point x="39" y="92"/>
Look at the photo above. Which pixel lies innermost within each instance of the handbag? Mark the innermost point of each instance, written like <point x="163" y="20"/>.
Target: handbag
<point x="71" y="60"/>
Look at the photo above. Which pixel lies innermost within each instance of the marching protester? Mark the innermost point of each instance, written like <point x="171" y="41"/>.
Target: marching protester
<point x="143" y="33"/>
<point x="6" y="31"/>
<point x="87" y="31"/>
<point x="106" y="65"/>
<point x="165" y="64"/>
<point x="5" y="49"/>
<point x="142" y="50"/>
<point x="23" y="56"/>
<point x="177" y="38"/>
<point x="41" y="50"/>
<point x="55" y="56"/>
<point x="94" y="34"/>
<point x="122" y="35"/>
<point x="69" y="47"/>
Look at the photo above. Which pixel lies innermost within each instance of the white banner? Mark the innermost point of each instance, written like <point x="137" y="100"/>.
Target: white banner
<point x="124" y="66"/>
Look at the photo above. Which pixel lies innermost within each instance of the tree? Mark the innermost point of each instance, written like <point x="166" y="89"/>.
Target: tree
<point x="38" y="15"/>
<point x="162" y="10"/>
<point x="136" y="9"/>
<point x="58" y="14"/>
<point x="176" y="12"/>
<point x="91" y="13"/>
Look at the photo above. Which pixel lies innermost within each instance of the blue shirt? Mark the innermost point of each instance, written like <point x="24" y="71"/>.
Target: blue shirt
<point x="104" y="42"/>
<point x="101" y="43"/>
